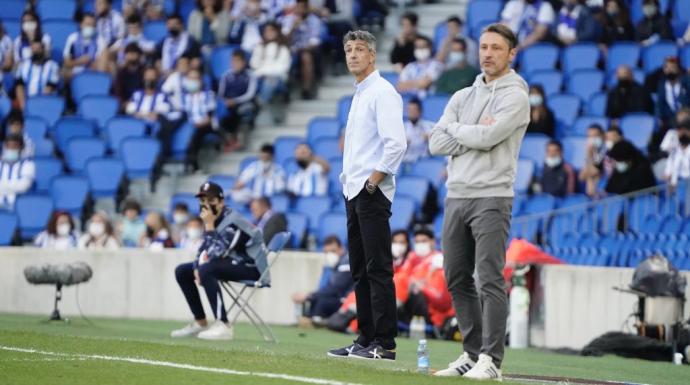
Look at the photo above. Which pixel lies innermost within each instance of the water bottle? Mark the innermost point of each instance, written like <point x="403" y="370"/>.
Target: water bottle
<point x="422" y="357"/>
<point x="417" y="328"/>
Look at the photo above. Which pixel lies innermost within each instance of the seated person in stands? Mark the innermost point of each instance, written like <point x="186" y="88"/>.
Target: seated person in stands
<point x="270" y="223"/>
<point x="198" y="106"/>
<point x="531" y="20"/>
<point x="83" y="48"/>
<point x="455" y="34"/>
<point x="417" y="131"/>
<point x="17" y="174"/>
<point x="134" y="34"/>
<point x="61" y="234"/>
<point x="131" y="228"/>
<point x="237" y="87"/>
<point x="558" y="177"/>
<point x="654" y="26"/>
<point x="678" y="164"/>
<point x="31" y="31"/>
<point x="208" y="23"/>
<point x="303" y="31"/>
<point x="670" y="141"/>
<point x="15" y="125"/>
<point x="109" y="23"/>
<point x="576" y="23"/>
<point x="158" y="235"/>
<point x="311" y="177"/>
<point x="271" y="62"/>
<point x="459" y="73"/>
<point x="148" y="103"/>
<point x="151" y="10"/>
<point x="673" y="91"/>
<point x="130" y="74"/>
<point x="178" y="43"/>
<point x="632" y="170"/>
<point x="263" y="177"/>
<point x="418" y="77"/>
<point x="173" y="85"/>
<point x="245" y="30"/>
<point x="627" y="96"/>
<point x="595" y="153"/>
<point x="228" y="253"/>
<point x="180" y="216"/>
<point x="541" y="120"/>
<point x="617" y="25"/>
<point x="193" y="235"/>
<point x="99" y="235"/>
<point x="36" y="76"/>
<point x="322" y="303"/>
<point x="403" y="49"/>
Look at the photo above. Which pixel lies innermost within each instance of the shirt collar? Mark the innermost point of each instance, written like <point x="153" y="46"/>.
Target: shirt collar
<point x="361" y="86"/>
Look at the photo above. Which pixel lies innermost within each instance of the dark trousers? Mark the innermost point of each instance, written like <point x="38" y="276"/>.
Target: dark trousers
<point x="223" y="269"/>
<point x="200" y="133"/>
<point x="323" y="306"/>
<point x="416" y="305"/>
<point x="371" y="263"/>
<point x="165" y="135"/>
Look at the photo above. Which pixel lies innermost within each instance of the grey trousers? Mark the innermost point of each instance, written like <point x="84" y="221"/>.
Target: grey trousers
<point x="475" y="232"/>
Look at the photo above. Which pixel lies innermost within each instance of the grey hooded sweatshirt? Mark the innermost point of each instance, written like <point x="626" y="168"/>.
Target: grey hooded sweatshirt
<point x="483" y="158"/>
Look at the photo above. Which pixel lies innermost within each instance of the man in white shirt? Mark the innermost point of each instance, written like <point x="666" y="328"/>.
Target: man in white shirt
<point x="262" y="178"/>
<point x="311" y="179"/>
<point x="530" y="20"/>
<point x="418" y="77"/>
<point x="16" y="174"/>
<point x="82" y="48"/>
<point x="678" y="164"/>
<point x="374" y="148"/>
<point x="110" y="24"/>
<point x="417" y="131"/>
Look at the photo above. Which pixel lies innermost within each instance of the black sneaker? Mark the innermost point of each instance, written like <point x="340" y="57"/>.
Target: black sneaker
<point x="344" y="352"/>
<point x="374" y="352"/>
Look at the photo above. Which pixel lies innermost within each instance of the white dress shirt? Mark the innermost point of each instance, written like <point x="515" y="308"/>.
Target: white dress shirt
<point x="374" y="136"/>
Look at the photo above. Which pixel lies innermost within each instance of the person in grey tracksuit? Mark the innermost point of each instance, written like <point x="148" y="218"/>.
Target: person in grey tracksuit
<point x="481" y="131"/>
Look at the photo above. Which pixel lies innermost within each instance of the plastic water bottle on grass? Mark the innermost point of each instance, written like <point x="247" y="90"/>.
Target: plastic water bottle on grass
<point x="422" y="357"/>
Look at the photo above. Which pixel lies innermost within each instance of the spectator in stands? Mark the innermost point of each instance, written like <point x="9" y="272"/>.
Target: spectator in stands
<point x="15" y="126"/>
<point x="149" y="104"/>
<point x="595" y="153"/>
<point x="6" y="51"/>
<point x="38" y="75"/>
<point x="339" y="18"/>
<point x="109" y="23"/>
<point x="271" y="62"/>
<point x="130" y="74"/>
<point x="454" y="27"/>
<point x="613" y="137"/>
<point x="417" y="131"/>
<point x="60" y="234"/>
<point x="238" y="88"/>
<point x="530" y="20"/>
<point x="303" y="30"/>
<point x="158" y="235"/>
<point x="208" y="24"/>
<point x="403" y="50"/>
<point x="576" y="23"/>
<point x="558" y="177"/>
<point x="151" y="10"/>
<point x="199" y="106"/>
<point x="173" y="83"/>
<point x="131" y="228"/>
<point x="82" y="48"/>
<point x="311" y="178"/>
<point x="458" y="73"/>
<point x="193" y="236"/>
<point x="135" y="34"/>
<point x="418" y="76"/>
<point x="31" y="32"/>
<point x="670" y="141"/>
<point x="673" y="91"/>
<point x="618" y="26"/>
<point x="16" y="174"/>
<point x="270" y="223"/>
<point x="627" y="96"/>
<point x="400" y="247"/>
<point x="678" y="164"/>
<point x="246" y="28"/>
<point x="275" y="9"/>
<point x="99" y="234"/>
<point x="180" y="216"/>
<point x="177" y="44"/>
<point x="541" y="117"/>
<point x="654" y="26"/>
<point x="262" y="178"/>
<point x="632" y="171"/>
<point x="325" y="301"/>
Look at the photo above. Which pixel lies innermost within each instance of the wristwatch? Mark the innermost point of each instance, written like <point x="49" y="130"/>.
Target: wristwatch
<point x="371" y="188"/>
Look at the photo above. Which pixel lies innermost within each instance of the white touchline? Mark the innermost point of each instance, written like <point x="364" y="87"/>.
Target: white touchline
<point x="308" y="380"/>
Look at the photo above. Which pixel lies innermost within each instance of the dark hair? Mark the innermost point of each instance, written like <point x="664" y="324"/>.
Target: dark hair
<point x="238" y="53"/>
<point x="195" y="219"/>
<point x="539" y="88"/>
<point x="175" y="16"/>
<point x="181" y="206"/>
<point x="52" y="223"/>
<point x="331" y="239"/>
<point x="15" y="138"/>
<point x="264" y="201"/>
<point x="454" y="19"/>
<point x="217" y="5"/>
<point x="411" y="17"/>
<point x="133" y="47"/>
<point x="417" y="102"/>
<point x="505" y="32"/>
<point x="85" y="15"/>
<point x="268" y="148"/>
<point x="133" y="19"/>
<point x="426" y="40"/>
<point x="461" y="41"/>
<point x="38" y="35"/>
<point x="15" y="118"/>
<point x="131" y="205"/>
<point x="424" y="230"/>
<point x="596" y="126"/>
<point x="554" y="142"/>
<point x="615" y="129"/>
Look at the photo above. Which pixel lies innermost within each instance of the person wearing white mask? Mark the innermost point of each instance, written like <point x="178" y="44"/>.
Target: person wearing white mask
<point x="542" y="119"/>
<point x="134" y="34"/>
<point x="632" y="170"/>
<point x="595" y="154"/>
<point x="261" y="178"/>
<point x="60" y="234"/>
<point x="99" y="234"/>
<point x="199" y="105"/>
<point x="459" y="72"/>
<point x="558" y="177"/>
<point x="31" y="31"/>
<point x="418" y="77"/>
<point x="180" y="217"/>
<point x="82" y="47"/>
<point x="38" y="75"/>
<point x="400" y="247"/>
<point x="16" y="174"/>
<point x="193" y="235"/>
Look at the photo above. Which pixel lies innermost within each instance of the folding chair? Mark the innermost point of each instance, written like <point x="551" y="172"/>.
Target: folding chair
<point x="241" y="300"/>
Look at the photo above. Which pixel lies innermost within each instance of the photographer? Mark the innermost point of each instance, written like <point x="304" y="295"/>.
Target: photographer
<point x="231" y="246"/>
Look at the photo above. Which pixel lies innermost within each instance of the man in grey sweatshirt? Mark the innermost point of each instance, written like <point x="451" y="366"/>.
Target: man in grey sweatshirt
<point x="480" y="131"/>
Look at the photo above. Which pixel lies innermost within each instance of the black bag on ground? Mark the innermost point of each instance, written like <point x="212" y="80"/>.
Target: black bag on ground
<point x="629" y="346"/>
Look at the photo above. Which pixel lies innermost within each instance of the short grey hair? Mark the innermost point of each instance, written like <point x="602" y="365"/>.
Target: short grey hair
<point x="364" y="36"/>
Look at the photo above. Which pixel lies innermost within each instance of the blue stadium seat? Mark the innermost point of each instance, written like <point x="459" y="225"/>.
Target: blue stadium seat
<point x="46" y="169"/>
<point x="414" y="187"/>
<point x="9" y="223"/>
<point x="479" y="12"/>
<point x="227" y="182"/>
<point x="622" y="53"/>
<point x="313" y="208"/>
<point x="140" y="156"/>
<point x="596" y="106"/>
<point x="71" y="127"/>
<point x="80" y="149"/>
<point x="609" y="215"/>
<point x="391" y="76"/>
<point x="681" y="11"/>
<point x="99" y="108"/>
<point x="280" y="203"/>
<point x="13" y="9"/>
<point x="344" y="109"/>
<point x="539" y="204"/>
<point x="327" y="148"/>
<point x="640" y="208"/>
<point x="579" y="128"/>
<point x="50" y="108"/>
<point x="220" y="59"/>
<point x="181" y="141"/>
<point x="44" y="147"/>
<point x="580" y="56"/>
<point x="285" y="147"/>
<point x="575" y="151"/>
<point x="35" y="127"/>
<point x="59" y="30"/>
<point x="69" y="193"/>
<point x="525" y="173"/>
<point x="650" y="225"/>
<point x="433" y="106"/>
<point x="431" y="169"/>
<point x="13" y="27"/>
<point x="573" y="200"/>
<point x="155" y="30"/>
<point x="90" y="83"/>
<point x="297" y="226"/>
<point x="189" y="199"/>
<point x="121" y="127"/>
<point x="638" y="129"/>
<point x="653" y="56"/>
<point x="686" y="227"/>
<point x="334" y="185"/>
<point x="685" y="56"/>
<point x="322" y="127"/>
<point x="671" y="224"/>
<point x="333" y="223"/>
<point x="565" y="107"/>
<point x="440" y="33"/>
<point x="56" y="9"/>
<point x="105" y="176"/>
<point x="533" y="148"/>
<point x="33" y="212"/>
<point x="541" y="56"/>
<point x="403" y="209"/>
<point x="550" y="80"/>
<point x="585" y="83"/>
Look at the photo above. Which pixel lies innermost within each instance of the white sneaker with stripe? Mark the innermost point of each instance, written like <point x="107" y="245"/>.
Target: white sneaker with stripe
<point x="458" y="367"/>
<point x="484" y="370"/>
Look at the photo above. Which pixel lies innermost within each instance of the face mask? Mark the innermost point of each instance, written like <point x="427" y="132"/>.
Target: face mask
<point x="455" y="58"/>
<point x="553" y="161"/>
<point x="150" y="84"/>
<point x="88" y="31"/>
<point x="96" y="229"/>
<point x="422" y="249"/>
<point x="38" y="57"/>
<point x="29" y="26"/>
<point x="64" y="229"/>
<point x="684" y="140"/>
<point x="332" y="258"/>
<point x="193" y="233"/>
<point x="191" y="85"/>
<point x="625" y="83"/>
<point x="649" y="10"/>
<point x="672" y="75"/>
<point x="180" y="218"/>
<point x="149" y="231"/>
<point x="609" y="145"/>
<point x="10" y="155"/>
<point x="596" y="141"/>
<point x="535" y="100"/>
<point x="612" y="12"/>
<point x="303" y="164"/>
<point x="175" y="33"/>
<point x="265" y="165"/>
<point x="398" y="249"/>
<point x="622" y="166"/>
<point x="422" y="54"/>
